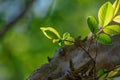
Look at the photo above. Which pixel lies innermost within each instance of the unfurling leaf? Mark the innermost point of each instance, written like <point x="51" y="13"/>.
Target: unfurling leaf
<point x="103" y="38"/>
<point x="112" y="29"/>
<point x="69" y="41"/>
<point x="117" y="19"/>
<point x="105" y="14"/>
<point x="50" y="32"/>
<point x="116" y="6"/>
<point x="67" y="38"/>
<point x="66" y="35"/>
<point x="93" y="24"/>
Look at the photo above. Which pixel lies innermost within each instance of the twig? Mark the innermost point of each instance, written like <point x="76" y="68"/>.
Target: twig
<point x="87" y="53"/>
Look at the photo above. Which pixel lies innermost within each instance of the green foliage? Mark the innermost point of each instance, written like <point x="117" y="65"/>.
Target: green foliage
<point x="101" y="74"/>
<point x="112" y="29"/>
<point x="50" y="32"/>
<point x="108" y="75"/>
<point x="117" y="19"/>
<point x="114" y="72"/>
<point x="105" y="14"/>
<point x="116" y="6"/>
<point x="102" y="33"/>
<point x="67" y="38"/>
<point x="53" y="34"/>
<point x="24" y="42"/>
<point x="103" y="38"/>
<point x="66" y="35"/>
<point x="93" y="24"/>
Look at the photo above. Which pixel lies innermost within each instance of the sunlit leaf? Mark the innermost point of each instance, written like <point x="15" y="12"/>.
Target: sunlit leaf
<point x="66" y="35"/>
<point x="112" y="29"/>
<point x="104" y="39"/>
<point x="117" y="19"/>
<point x="93" y="24"/>
<point x="67" y="38"/>
<point x="116" y="6"/>
<point x="69" y="41"/>
<point x="114" y="72"/>
<point x="50" y="32"/>
<point x="105" y="14"/>
<point x="55" y="40"/>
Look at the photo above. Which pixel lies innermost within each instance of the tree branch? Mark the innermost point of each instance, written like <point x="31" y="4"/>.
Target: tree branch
<point x="59" y="67"/>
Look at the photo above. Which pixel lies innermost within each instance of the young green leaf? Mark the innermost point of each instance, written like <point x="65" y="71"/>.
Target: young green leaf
<point x="67" y="38"/>
<point x="103" y="38"/>
<point x="93" y="24"/>
<point x="112" y="29"/>
<point x="105" y="14"/>
<point x="66" y="35"/>
<point x="116" y="6"/>
<point x="69" y="41"/>
<point x="50" y="32"/>
<point x="55" y="40"/>
<point x="117" y="19"/>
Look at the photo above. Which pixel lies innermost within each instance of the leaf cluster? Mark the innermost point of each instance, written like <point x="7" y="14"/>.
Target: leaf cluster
<point x="53" y="34"/>
<point x="101" y="28"/>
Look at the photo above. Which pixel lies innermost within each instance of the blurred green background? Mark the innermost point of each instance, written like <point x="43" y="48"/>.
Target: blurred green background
<point x="24" y="47"/>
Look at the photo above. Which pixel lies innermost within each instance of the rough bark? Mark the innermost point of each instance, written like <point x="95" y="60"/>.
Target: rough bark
<point x="59" y="67"/>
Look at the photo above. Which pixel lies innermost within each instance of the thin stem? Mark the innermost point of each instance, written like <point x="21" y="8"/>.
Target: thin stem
<point x="100" y="30"/>
<point x="87" y="53"/>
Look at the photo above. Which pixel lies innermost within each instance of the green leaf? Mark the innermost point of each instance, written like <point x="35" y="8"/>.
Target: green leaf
<point x="103" y="38"/>
<point x="114" y="72"/>
<point x="68" y="40"/>
<point x="66" y="35"/>
<point x="117" y="19"/>
<point x="102" y="77"/>
<point x="105" y="14"/>
<point x="93" y="24"/>
<point x="50" y="32"/>
<point x="116" y="6"/>
<point x="55" y="40"/>
<point x="101" y="74"/>
<point x="112" y="29"/>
